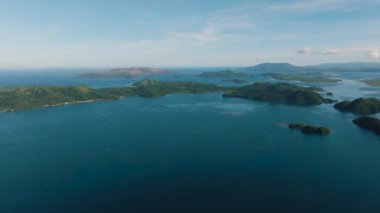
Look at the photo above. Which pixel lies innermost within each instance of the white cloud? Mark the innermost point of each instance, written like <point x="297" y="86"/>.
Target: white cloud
<point x="305" y="51"/>
<point x="309" y="51"/>
<point x="374" y="54"/>
<point x="331" y="52"/>
<point x="207" y="35"/>
<point x="218" y="26"/>
<point x="371" y="54"/>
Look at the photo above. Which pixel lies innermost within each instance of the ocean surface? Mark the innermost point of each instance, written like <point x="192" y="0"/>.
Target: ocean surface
<point x="185" y="153"/>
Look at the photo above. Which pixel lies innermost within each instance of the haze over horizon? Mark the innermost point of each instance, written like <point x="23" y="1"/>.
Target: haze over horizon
<point x="184" y="33"/>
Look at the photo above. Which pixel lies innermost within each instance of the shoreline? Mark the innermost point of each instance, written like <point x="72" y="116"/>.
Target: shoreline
<point x="60" y="104"/>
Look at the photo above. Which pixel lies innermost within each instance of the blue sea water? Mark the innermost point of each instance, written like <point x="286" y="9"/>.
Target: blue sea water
<point x="184" y="153"/>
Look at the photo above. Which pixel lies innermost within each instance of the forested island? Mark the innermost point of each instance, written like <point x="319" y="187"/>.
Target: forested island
<point x="304" y="77"/>
<point x="224" y="74"/>
<point x="279" y="93"/>
<point x="21" y="98"/>
<point x="310" y="130"/>
<point x="368" y="123"/>
<point x="360" y="106"/>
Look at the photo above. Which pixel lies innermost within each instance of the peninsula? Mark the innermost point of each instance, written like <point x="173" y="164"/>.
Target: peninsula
<point x="360" y="106"/>
<point x="368" y="123"/>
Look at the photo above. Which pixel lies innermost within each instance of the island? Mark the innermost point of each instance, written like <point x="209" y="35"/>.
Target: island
<point x="368" y="123"/>
<point x="374" y="82"/>
<point x="238" y="81"/>
<point x="279" y="93"/>
<point x="323" y="68"/>
<point x="27" y="97"/>
<point x="224" y="74"/>
<point x="130" y="72"/>
<point x="304" y="77"/>
<point x="310" y="130"/>
<point x="360" y="106"/>
<point x="149" y="88"/>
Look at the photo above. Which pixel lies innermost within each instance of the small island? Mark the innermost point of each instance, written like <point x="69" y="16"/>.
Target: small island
<point x="374" y="82"/>
<point x="279" y="93"/>
<point x="310" y="130"/>
<point x="360" y="106"/>
<point x="224" y="74"/>
<point x="368" y="123"/>
<point x="22" y="98"/>
<point x="304" y="77"/>
<point x="130" y="72"/>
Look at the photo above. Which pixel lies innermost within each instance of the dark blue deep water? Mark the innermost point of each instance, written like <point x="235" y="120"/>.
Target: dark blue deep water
<point x="184" y="153"/>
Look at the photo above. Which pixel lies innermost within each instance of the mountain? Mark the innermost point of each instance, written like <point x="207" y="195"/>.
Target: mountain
<point x="130" y="72"/>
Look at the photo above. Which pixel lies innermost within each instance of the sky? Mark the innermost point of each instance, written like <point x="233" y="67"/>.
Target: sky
<point x="186" y="33"/>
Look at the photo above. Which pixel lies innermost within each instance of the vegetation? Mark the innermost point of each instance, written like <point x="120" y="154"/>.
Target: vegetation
<point x="368" y="123"/>
<point x="360" y="106"/>
<point x="307" y="129"/>
<point x="20" y="98"/>
<point x="287" y="68"/>
<point x="153" y="88"/>
<point x="238" y="81"/>
<point x="374" y="82"/>
<point x="37" y="96"/>
<point x="304" y="77"/>
<point x="224" y="74"/>
<point x="279" y="93"/>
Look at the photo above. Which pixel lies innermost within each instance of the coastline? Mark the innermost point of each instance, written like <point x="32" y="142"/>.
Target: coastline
<point x="60" y="104"/>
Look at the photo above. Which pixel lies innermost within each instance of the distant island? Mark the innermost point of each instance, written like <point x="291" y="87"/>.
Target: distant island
<point x="374" y="82"/>
<point x="281" y="68"/>
<point x="360" y="106"/>
<point x="238" y="81"/>
<point x="310" y="130"/>
<point x="21" y="98"/>
<point x="224" y="74"/>
<point x="368" y="123"/>
<point x="304" y="77"/>
<point x="289" y="68"/>
<point x="279" y="93"/>
<point x="130" y="72"/>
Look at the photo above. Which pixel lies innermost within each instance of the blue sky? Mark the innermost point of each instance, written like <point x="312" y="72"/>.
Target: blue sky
<point x="186" y="33"/>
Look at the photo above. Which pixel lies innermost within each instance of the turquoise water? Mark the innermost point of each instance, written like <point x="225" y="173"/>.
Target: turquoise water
<point x="185" y="153"/>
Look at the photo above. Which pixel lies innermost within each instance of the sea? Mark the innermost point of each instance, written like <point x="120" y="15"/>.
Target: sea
<point x="184" y="152"/>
